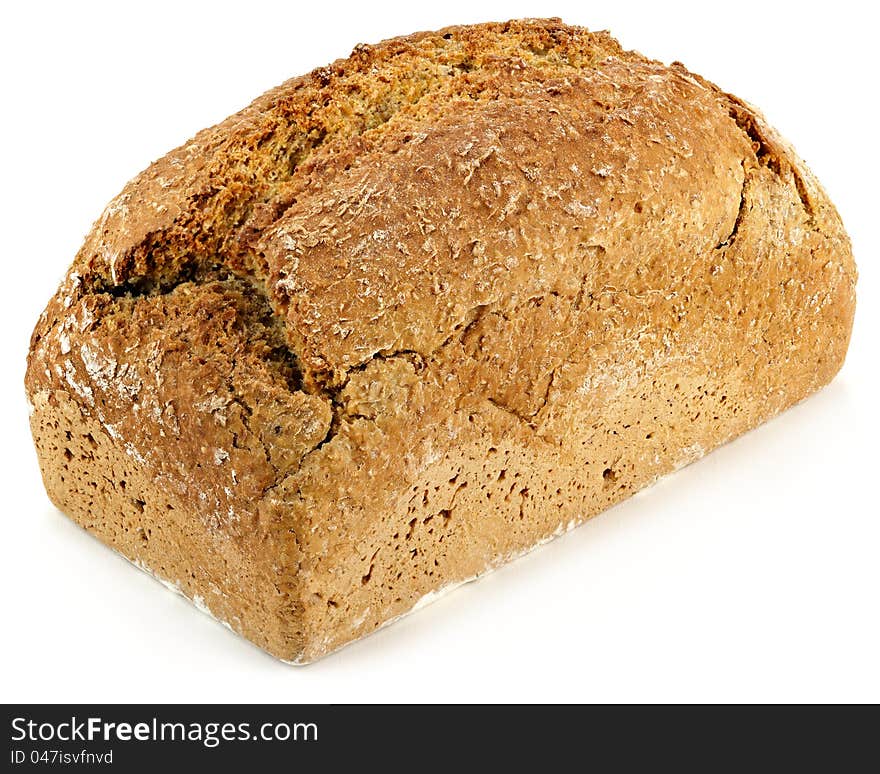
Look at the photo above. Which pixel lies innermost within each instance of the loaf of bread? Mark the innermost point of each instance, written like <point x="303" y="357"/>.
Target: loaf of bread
<point x="404" y="318"/>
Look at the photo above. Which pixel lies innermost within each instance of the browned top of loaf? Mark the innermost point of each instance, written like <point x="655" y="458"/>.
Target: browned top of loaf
<point x="385" y="199"/>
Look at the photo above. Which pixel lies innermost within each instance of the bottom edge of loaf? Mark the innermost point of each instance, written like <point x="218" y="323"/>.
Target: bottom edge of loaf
<point x="199" y="603"/>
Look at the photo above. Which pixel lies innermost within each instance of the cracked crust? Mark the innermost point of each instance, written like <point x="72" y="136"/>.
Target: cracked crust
<point x="405" y="317"/>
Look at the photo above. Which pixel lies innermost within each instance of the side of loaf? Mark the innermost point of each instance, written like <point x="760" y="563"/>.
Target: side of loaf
<point x="404" y="318"/>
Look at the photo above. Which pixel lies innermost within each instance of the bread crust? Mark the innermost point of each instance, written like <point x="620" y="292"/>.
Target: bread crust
<point x="408" y="316"/>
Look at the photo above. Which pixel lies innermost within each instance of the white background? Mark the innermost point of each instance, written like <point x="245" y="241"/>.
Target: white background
<point x="752" y="575"/>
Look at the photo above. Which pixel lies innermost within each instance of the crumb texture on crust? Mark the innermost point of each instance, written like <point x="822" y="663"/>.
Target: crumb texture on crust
<point x="407" y="316"/>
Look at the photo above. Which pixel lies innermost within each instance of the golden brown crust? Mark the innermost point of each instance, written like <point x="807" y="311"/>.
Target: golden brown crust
<point x="404" y="317"/>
